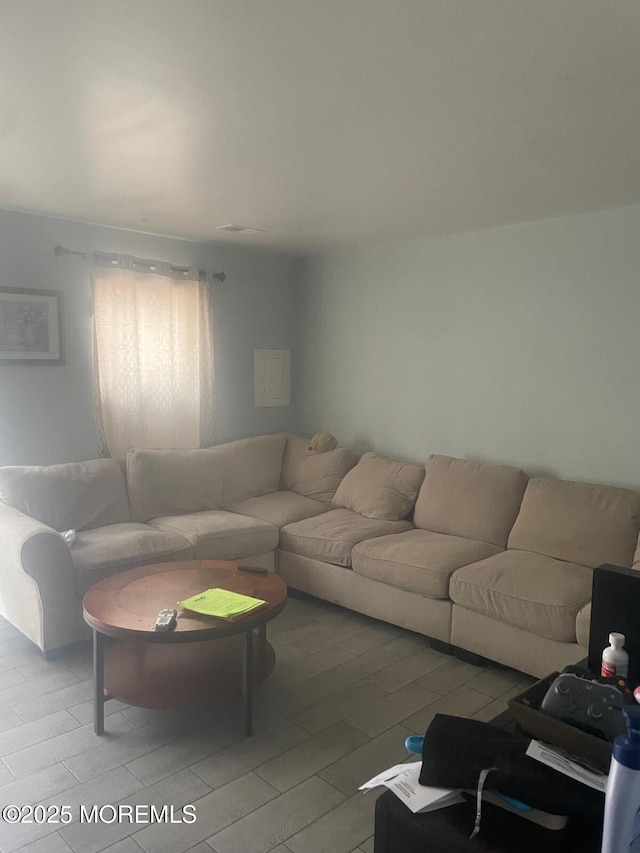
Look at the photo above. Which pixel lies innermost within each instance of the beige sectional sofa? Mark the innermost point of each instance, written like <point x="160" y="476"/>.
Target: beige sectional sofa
<point x="474" y="555"/>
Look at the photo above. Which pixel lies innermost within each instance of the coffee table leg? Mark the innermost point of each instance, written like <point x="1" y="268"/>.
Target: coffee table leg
<point x="98" y="682"/>
<point x="247" y="682"/>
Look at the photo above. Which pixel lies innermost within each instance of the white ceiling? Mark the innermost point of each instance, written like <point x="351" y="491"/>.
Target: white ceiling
<point x="324" y="122"/>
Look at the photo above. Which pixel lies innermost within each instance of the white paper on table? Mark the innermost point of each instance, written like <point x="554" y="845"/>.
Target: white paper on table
<point x="563" y="764"/>
<point x="388" y="775"/>
<point x="402" y="779"/>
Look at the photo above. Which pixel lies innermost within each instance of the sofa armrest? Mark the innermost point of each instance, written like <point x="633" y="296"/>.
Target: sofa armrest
<point x="37" y="581"/>
<point x="583" y="625"/>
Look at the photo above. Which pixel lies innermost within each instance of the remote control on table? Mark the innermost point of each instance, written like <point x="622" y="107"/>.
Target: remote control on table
<point x="166" y="620"/>
<point x="258" y="570"/>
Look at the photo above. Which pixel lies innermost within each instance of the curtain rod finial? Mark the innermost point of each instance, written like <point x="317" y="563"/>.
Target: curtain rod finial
<point x="220" y="276"/>
<point x="60" y="250"/>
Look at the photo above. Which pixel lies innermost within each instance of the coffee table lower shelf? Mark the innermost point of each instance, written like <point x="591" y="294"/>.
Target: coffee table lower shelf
<point x="167" y="676"/>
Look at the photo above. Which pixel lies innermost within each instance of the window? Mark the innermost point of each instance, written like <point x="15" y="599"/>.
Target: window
<point x="153" y="367"/>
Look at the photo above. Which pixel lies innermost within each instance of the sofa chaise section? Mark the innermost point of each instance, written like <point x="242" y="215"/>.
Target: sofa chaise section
<point x="528" y="606"/>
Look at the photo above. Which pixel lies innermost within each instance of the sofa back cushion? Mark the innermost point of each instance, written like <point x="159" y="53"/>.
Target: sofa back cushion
<point x="319" y="475"/>
<point x="252" y="466"/>
<point x="295" y="450"/>
<point x="173" y="482"/>
<point x="76" y="495"/>
<point x="380" y="488"/>
<point x="578" y="522"/>
<point x="469" y="499"/>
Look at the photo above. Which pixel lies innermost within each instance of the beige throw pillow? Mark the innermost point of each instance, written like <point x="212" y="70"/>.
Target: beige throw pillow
<point x="380" y="488"/>
<point x="319" y="474"/>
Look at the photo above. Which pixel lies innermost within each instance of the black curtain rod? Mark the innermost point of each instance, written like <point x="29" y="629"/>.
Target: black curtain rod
<point x="60" y="250"/>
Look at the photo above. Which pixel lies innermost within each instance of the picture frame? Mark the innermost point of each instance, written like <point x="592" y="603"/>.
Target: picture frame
<point x="30" y="326"/>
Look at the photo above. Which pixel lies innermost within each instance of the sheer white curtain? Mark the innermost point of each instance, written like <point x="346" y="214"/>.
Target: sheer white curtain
<point x="153" y="360"/>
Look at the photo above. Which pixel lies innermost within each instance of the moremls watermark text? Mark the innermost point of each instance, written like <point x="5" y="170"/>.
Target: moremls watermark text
<point x="107" y="813"/>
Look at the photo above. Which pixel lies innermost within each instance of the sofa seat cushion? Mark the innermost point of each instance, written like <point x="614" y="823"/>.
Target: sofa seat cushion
<point x="330" y="537"/>
<point x="530" y="591"/>
<point x="100" y="553"/>
<point x="220" y="535"/>
<point x="280" y="508"/>
<point x="418" y="560"/>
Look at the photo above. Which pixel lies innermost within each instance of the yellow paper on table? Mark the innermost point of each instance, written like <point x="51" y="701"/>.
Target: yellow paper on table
<point x="222" y="603"/>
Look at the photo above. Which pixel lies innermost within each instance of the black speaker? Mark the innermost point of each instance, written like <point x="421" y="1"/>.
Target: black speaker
<point x="615" y="606"/>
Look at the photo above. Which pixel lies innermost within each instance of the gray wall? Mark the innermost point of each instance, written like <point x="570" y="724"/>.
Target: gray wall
<point x="45" y="411"/>
<point x="517" y="345"/>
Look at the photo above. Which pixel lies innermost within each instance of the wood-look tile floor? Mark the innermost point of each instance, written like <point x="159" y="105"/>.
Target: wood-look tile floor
<point x="345" y="693"/>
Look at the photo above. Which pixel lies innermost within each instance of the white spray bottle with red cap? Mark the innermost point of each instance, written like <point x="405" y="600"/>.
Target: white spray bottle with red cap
<point x="622" y="801"/>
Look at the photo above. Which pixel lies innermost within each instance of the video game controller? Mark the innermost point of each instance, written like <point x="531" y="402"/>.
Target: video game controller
<point x="586" y="704"/>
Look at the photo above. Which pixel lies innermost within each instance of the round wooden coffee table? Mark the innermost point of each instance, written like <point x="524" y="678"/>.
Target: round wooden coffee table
<point x="182" y="667"/>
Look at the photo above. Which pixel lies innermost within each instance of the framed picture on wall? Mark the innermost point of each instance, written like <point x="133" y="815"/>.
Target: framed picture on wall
<point x="30" y="326"/>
